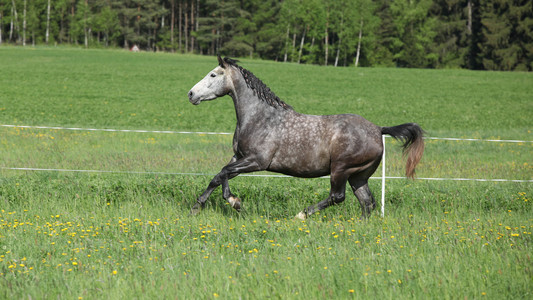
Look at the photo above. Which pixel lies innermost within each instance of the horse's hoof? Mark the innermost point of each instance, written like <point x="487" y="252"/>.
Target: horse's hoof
<point x="301" y="215"/>
<point x="235" y="203"/>
<point x="196" y="209"/>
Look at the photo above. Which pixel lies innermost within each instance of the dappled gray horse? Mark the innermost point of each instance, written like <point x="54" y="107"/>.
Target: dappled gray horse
<point x="271" y="136"/>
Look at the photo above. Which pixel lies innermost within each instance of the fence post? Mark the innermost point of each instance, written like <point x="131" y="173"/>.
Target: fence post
<point x="383" y="179"/>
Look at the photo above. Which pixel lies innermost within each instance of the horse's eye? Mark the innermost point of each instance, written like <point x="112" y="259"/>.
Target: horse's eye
<point x="213" y="75"/>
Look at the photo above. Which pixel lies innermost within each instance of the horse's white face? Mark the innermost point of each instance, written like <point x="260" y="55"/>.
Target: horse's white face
<point x="215" y="84"/>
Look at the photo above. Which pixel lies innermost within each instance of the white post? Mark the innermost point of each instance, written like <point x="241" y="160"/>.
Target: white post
<point x="383" y="179"/>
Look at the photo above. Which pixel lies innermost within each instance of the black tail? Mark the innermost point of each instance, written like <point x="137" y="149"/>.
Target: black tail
<point x="411" y="134"/>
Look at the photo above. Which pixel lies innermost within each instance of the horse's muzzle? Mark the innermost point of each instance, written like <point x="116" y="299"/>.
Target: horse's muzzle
<point x="192" y="99"/>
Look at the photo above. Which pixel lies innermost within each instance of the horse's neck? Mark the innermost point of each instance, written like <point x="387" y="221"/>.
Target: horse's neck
<point x="249" y="108"/>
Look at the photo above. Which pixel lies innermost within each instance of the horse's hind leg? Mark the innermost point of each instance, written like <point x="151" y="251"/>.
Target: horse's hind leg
<point x="363" y="193"/>
<point x="337" y="195"/>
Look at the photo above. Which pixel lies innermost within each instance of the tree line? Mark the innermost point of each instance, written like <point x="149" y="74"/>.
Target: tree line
<point x="473" y="34"/>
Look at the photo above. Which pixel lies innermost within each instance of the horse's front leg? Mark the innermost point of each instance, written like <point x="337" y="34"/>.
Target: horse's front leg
<point x="234" y="168"/>
<point x="200" y="201"/>
<point x="226" y="192"/>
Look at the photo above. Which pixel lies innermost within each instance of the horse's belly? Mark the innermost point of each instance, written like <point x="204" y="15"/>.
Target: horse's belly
<point x="310" y="166"/>
<point x="304" y="173"/>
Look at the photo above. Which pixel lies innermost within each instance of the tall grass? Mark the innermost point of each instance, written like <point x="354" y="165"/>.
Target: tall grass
<point x="125" y="235"/>
<point x="187" y="153"/>
<point x="117" y="236"/>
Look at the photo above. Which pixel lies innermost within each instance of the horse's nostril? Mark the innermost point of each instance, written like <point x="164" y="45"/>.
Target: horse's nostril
<point x="191" y="94"/>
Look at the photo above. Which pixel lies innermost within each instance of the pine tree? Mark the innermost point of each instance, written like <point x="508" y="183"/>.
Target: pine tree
<point x="507" y="33"/>
<point x="268" y="39"/>
<point x="217" y="30"/>
<point x="416" y="31"/>
<point x="33" y="22"/>
<point x="365" y="25"/>
<point x="241" y="31"/>
<point x="105" y="23"/>
<point x="453" y="31"/>
<point x="475" y="37"/>
<point x="126" y="13"/>
<point x="382" y="52"/>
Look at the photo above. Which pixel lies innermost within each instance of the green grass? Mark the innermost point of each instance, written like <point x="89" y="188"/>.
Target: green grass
<point x="93" y="236"/>
<point x="116" y="89"/>
<point x="125" y="235"/>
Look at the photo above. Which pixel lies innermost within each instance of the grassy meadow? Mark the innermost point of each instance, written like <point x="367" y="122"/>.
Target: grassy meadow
<point x="126" y="232"/>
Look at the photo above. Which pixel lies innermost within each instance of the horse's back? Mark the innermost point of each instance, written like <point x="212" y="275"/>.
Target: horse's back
<point x="354" y="135"/>
<point x="309" y="145"/>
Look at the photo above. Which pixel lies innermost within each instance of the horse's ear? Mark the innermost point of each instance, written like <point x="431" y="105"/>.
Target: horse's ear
<point x="221" y="62"/>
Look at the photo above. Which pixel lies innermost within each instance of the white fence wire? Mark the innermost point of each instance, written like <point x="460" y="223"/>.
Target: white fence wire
<point x="226" y="133"/>
<point x="383" y="177"/>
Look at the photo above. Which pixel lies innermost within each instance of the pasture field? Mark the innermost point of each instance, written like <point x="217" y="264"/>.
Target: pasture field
<point x="126" y="232"/>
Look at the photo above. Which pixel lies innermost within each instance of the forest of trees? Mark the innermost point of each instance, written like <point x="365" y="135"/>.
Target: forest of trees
<point x="473" y="34"/>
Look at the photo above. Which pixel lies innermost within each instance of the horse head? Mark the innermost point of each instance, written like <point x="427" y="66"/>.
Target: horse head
<point x="216" y="83"/>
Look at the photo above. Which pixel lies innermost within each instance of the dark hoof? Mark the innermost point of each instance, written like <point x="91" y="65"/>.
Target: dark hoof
<point x="364" y="217"/>
<point x="196" y="209"/>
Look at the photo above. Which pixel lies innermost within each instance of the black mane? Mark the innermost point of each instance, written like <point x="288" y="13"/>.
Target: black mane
<point x="260" y="89"/>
